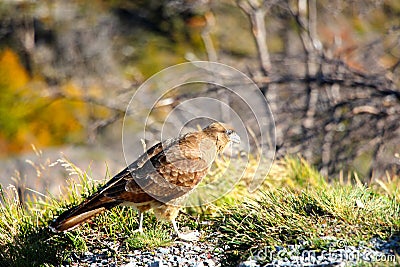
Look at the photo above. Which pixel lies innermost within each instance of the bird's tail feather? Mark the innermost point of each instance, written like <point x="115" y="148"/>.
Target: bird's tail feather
<point x="73" y="217"/>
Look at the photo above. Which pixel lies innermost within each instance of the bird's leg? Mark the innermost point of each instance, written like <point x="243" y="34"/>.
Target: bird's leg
<point x="140" y="229"/>
<point x="193" y="236"/>
<point x="175" y="227"/>
<point x="140" y="221"/>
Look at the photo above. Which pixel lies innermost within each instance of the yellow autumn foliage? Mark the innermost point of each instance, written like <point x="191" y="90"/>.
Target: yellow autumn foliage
<point x="13" y="76"/>
<point x="27" y="117"/>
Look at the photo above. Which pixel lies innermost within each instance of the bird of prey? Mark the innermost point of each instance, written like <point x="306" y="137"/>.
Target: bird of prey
<point x="159" y="179"/>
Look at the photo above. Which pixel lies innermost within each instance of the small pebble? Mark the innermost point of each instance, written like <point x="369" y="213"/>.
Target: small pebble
<point x="156" y="263"/>
<point x="249" y="263"/>
<point x="196" y="248"/>
<point x="164" y="250"/>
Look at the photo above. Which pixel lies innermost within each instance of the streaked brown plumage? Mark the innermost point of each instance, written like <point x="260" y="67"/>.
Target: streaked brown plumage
<point x="156" y="180"/>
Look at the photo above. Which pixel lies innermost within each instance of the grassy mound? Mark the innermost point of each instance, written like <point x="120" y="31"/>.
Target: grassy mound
<point x="295" y="205"/>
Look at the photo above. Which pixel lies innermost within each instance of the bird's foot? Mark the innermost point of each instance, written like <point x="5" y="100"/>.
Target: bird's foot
<point x="192" y="236"/>
<point x="139" y="230"/>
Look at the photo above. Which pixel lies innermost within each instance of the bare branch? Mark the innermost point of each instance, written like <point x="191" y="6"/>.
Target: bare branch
<point x="206" y="36"/>
<point x="256" y="14"/>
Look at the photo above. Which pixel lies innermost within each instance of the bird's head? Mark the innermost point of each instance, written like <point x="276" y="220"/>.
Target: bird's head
<point x="222" y="134"/>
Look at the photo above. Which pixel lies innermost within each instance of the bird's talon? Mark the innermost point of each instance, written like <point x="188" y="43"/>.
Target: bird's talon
<point x="193" y="236"/>
<point x="140" y="231"/>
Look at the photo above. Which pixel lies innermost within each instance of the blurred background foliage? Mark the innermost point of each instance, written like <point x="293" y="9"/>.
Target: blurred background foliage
<point x="58" y="59"/>
<point x="26" y="117"/>
<point x="67" y="68"/>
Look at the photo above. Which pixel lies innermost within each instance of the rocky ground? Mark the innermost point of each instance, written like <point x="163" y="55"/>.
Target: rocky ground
<point x="202" y="254"/>
<point x="179" y="254"/>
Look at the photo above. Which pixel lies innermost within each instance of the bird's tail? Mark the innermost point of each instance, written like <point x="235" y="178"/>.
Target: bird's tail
<point x="73" y="217"/>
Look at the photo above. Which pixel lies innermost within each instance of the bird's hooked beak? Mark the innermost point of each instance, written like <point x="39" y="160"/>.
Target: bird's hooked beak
<point x="234" y="137"/>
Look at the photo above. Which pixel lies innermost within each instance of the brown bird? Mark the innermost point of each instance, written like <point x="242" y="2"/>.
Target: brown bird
<point x="159" y="179"/>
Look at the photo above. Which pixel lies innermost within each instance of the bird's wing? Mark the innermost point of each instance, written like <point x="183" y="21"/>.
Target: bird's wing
<point x="171" y="173"/>
<point x="115" y="188"/>
<point x="126" y="173"/>
<point x="166" y="171"/>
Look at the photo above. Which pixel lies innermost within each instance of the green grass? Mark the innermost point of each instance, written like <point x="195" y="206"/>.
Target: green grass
<point x="282" y="217"/>
<point x="294" y="206"/>
<point x="298" y="206"/>
<point x="150" y="239"/>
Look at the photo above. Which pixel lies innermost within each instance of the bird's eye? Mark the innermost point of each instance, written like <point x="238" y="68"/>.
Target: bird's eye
<point x="228" y="132"/>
